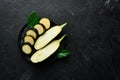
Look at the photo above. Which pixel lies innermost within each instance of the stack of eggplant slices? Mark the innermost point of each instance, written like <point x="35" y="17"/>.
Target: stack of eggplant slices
<point x="39" y="42"/>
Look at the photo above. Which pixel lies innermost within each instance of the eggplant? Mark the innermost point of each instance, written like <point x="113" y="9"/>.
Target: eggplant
<point x="26" y="48"/>
<point x="39" y="28"/>
<point x="47" y="51"/>
<point x="29" y="39"/>
<point x="50" y="34"/>
<point x="45" y="22"/>
<point x="32" y="32"/>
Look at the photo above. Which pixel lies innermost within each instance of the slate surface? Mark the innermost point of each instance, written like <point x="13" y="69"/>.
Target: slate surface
<point x="94" y="40"/>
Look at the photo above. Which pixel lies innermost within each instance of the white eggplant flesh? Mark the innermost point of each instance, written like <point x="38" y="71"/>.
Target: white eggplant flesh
<point x="26" y="48"/>
<point x="29" y="39"/>
<point x="39" y="28"/>
<point x="45" y="22"/>
<point x="31" y="33"/>
<point x="47" y="51"/>
<point x="49" y="35"/>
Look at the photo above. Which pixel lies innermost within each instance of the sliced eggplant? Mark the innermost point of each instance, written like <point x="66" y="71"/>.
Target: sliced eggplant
<point x="47" y="51"/>
<point x="29" y="39"/>
<point x="26" y="48"/>
<point x="32" y="32"/>
<point x="45" y="22"/>
<point x="39" y="28"/>
<point x="43" y="40"/>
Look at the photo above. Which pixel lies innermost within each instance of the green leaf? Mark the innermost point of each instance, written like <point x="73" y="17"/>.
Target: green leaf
<point x="62" y="53"/>
<point x="33" y="19"/>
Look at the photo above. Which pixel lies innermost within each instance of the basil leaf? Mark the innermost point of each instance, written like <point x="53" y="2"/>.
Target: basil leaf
<point x="33" y="19"/>
<point x="62" y="53"/>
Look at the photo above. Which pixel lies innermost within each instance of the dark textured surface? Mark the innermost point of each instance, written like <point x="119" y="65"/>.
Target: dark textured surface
<point x="94" y="40"/>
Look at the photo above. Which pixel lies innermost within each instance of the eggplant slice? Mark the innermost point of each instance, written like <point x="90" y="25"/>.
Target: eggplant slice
<point x="39" y="28"/>
<point x="32" y="32"/>
<point x="46" y="22"/>
<point x="26" y="48"/>
<point x="29" y="39"/>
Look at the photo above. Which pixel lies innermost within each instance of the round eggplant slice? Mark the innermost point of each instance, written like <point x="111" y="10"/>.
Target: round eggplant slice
<point x="45" y="22"/>
<point x="39" y="28"/>
<point x="26" y="48"/>
<point x="32" y="32"/>
<point x="29" y="39"/>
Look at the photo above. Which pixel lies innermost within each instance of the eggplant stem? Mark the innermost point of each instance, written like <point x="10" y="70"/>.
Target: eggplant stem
<point x="62" y="37"/>
<point x="63" y="25"/>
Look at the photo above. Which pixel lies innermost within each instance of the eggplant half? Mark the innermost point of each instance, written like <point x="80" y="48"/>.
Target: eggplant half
<point x="29" y="39"/>
<point x="26" y="48"/>
<point x="39" y="28"/>
<point x="47" y="51"/>
<point x="46" y="22"/>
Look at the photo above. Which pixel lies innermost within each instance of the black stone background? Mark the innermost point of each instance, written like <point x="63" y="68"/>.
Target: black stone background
<point x="94" y="39"/>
